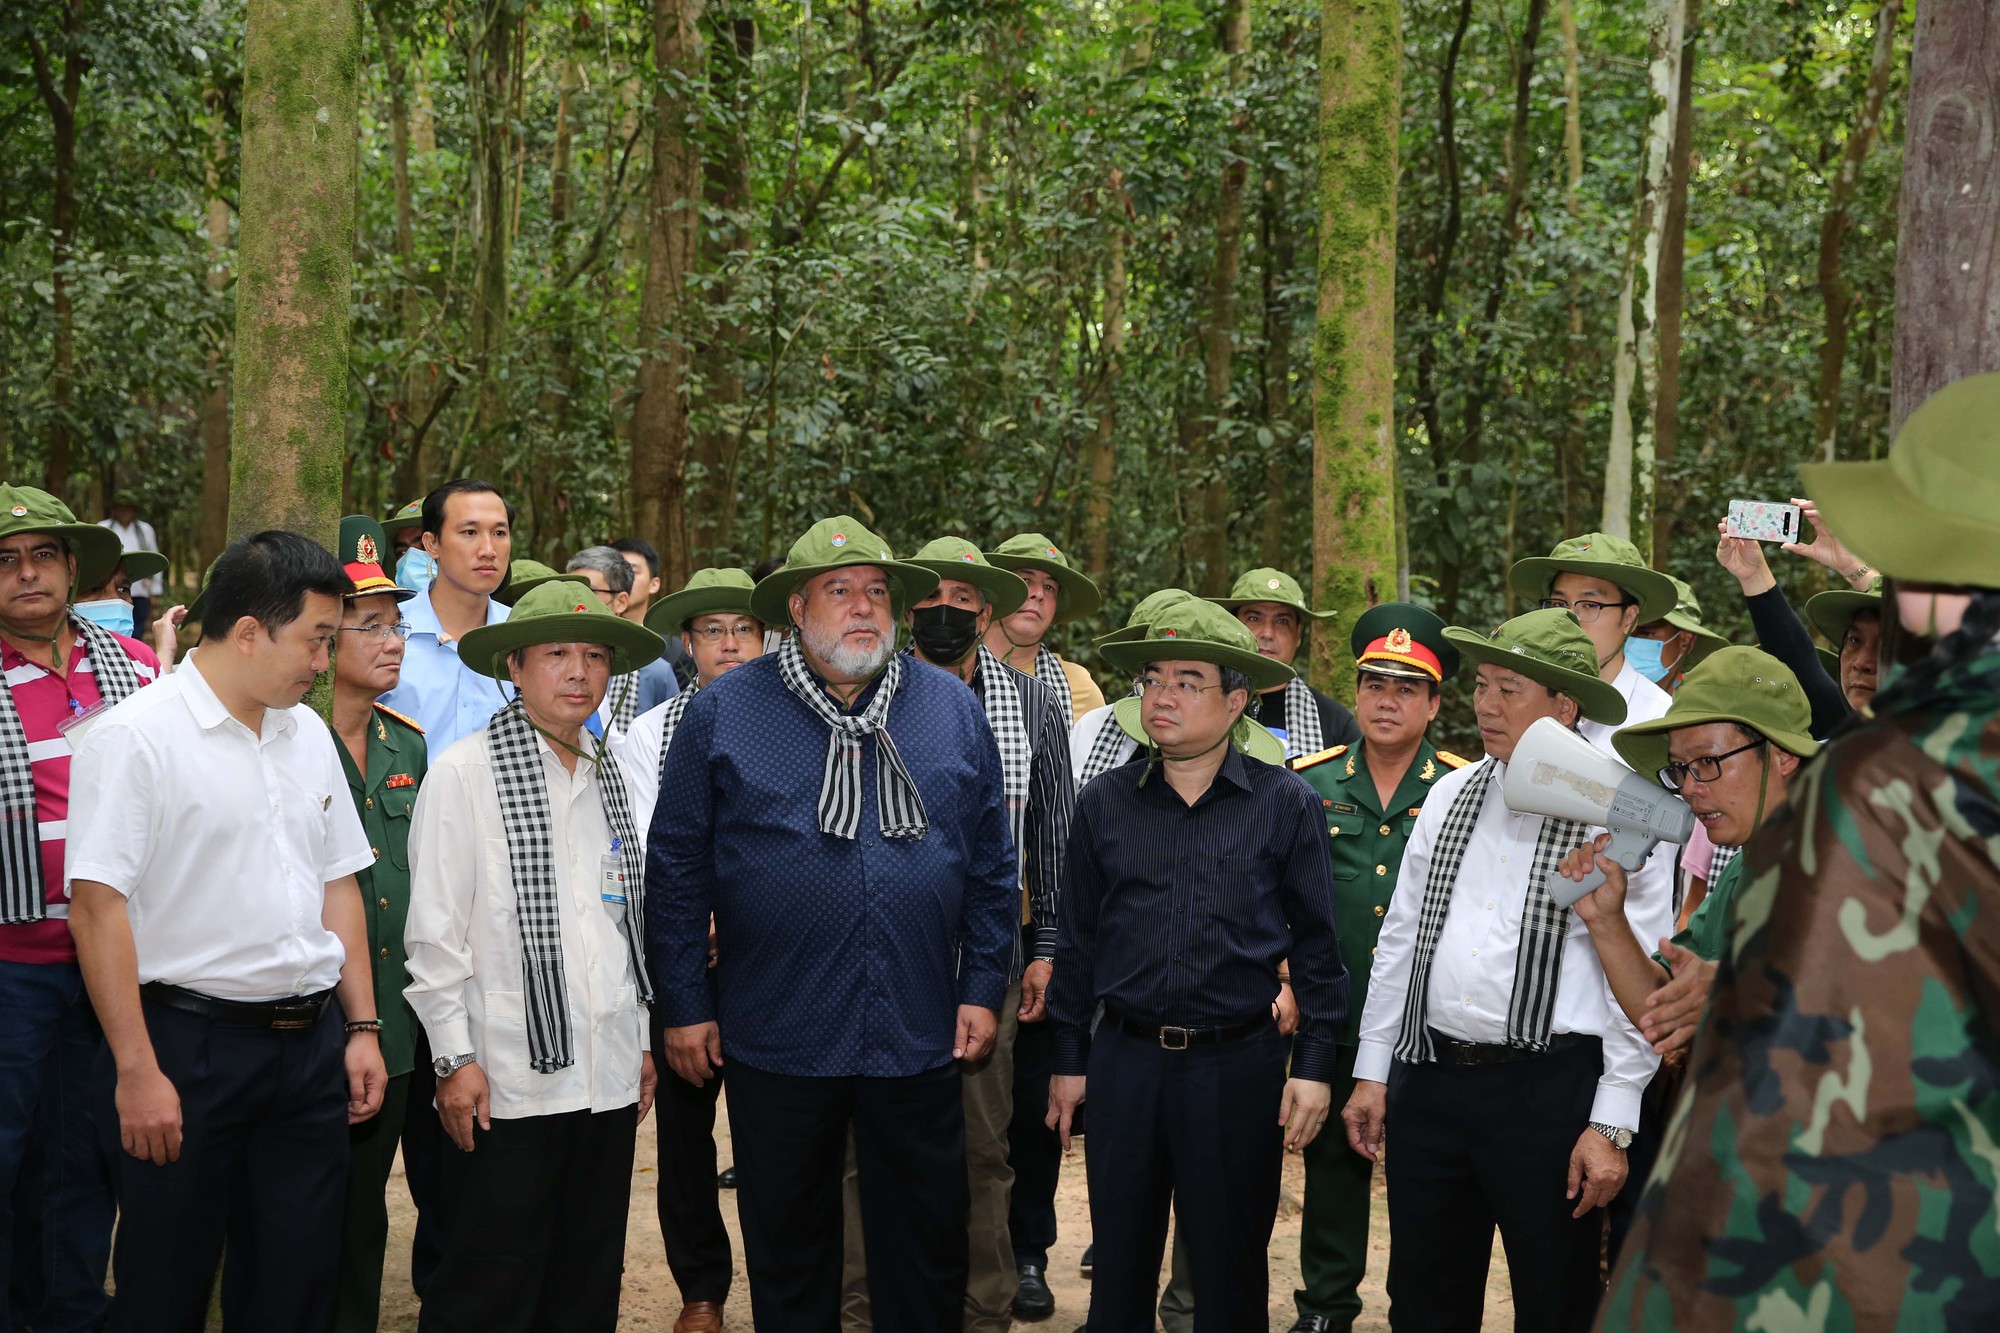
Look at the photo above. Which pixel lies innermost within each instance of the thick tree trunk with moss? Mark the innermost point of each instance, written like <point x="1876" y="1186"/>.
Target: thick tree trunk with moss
<point x="1354" y="342"/>
<point x="295" y="263"/>
<point x="491" y="50"/>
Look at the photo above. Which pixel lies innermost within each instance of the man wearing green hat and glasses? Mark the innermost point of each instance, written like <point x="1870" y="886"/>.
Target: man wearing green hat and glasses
<point x="1490" y="1043"/>
<point x="1272" y="606"/>
<point x="1057" y="594"/>
<point x="1192" y="878"/>
<point x="840" y="811"/>
<point x="1832" y="1161"/>
<point x="526" y="941"/>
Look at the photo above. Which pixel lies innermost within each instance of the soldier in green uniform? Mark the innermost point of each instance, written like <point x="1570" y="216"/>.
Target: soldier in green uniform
<point x="1831" y="1163"/>
<point x="1371" y="792"/>
<point x="382" y="753"/>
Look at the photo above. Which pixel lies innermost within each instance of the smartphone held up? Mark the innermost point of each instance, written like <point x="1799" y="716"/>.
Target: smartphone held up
<point x="1763" y="520"/>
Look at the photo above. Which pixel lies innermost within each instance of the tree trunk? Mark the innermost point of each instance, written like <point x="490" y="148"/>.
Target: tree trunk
<point x="1354" y="343"/>
<point x="412" y="472"/>
<point x="726" y="188"/>
<point x="1833" y="292"/>
<point x="660" y="421"/>
<point x="1573" y="443"/>
<point x="60" y="89"/>
<point x="295" y="265"/>
<point x="1673" y="265"/>
<point x="1101" y="451"/>
<point x="1275" y="527"/>
<point x="213" y="532"/>
<point x="490" y="74"/>
<point x="1444" y="244"/>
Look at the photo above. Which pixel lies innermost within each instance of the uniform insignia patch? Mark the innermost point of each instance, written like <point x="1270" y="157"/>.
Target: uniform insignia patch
<point x="1430" y="770"/>
<point x="1399" y="640"/>
<point x="365" y="552"/>
<point x="1340" y="809"/>
<point x="400" y="780"/>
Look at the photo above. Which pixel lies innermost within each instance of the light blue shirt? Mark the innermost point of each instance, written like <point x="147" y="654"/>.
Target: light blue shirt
<point x="448" y="700"/>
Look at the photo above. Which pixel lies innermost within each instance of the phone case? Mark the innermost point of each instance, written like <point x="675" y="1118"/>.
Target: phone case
<point x="1764" y="520"/>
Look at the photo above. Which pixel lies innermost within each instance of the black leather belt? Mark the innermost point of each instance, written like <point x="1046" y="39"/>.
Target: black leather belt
<point x="1452" y="1051"/>
<point x="1179" y="1039"/>
<point x="289" y="1014"/>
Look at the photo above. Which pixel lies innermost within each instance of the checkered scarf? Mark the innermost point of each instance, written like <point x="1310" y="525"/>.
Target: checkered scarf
<point x="1048" y="670"/>
<point x="670" y="720"/>
<point x="1108" y="749"/>
<point x="524" y="814"/>
<point x="899" y="808"/>
<point x="1538" y="968"/>
<point x="23" y="896"/>
<point x="1302" y="733"/>
<point x="1010" y="729"/>
<point x="624" y="701"/>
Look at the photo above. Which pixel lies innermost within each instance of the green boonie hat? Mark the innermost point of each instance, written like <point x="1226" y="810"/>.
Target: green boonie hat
<point x="524" y="576"/>
<point x="1687" y="615"/>
<point x="830" y="544"/>
<point x="1830" y="661"/>
<point x="125" y="496"/>
<point x="1248" y="735"/>
<point x="199" y="606"/>
<point x="555" y="611"/>
<point x="1077" y="598"/>
<point x="1612" y="559"/>
<point x="1742" y="685"/>
<point x="1930" y="511"/>
<point x="1265" y="584"/>
<point x="1830" y="613"/>
<point x="361" y="548"/>
<point x="410" y="515"/>
<point x="136" y="565"/>
<point x="1551" y="647"/>
<point x="1142" y="615"/>
<point x="958" y="559"/>
<point x="709" y="592"/>
<point x="1392" y="640"/>
<point x="27" y="511"/>
<point x="1198" y="631"/>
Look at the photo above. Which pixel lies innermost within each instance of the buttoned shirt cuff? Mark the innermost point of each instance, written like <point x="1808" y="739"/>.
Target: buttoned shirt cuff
<point x="988" y="990"/>
<point x="1072" y="1051"/>
<point x="1372" y="1060"/>
<point x="450" y="1038"/>
<point x="684" y="1006"/>
<point x="1045" y="944"/>
<point x="1313" y="1059"/>
<point x="1617" y="1106"/>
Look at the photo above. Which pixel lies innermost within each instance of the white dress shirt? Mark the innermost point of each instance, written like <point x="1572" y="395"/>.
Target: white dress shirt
<point x="1083" y="737"/>
<point x="463" y="937"/>
<point x="637" y="750"/>
<point x="1472" y="972"/>
<point x="221" y="840"/>
<point x="1644" y="702"/>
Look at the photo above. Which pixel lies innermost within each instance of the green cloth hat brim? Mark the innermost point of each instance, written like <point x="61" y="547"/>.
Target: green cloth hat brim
<point x="1705" y="642"/>
<point x="1830" y="613"/>
<point x="1831" y="661"/>
<point x="1133" y="655"/>
<point x="1248" y="735"/>
<point x="138" y="565"/>
<point x="546" y="614"/>
<point x="1246" y="593"/>
<point x="399" y="521"/>
<point x="667" y="615"/>
<point x="511" y="592"/>
<point x="771" y="599"/>
<point x="1654" y="591"/>
<point x="97" y="550"/>
<point x="1077" y="598"/>
<point x="1598" y="699"/>
<point x="1002" y="587"/>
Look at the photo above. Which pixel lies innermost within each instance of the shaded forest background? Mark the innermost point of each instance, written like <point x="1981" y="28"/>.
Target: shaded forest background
<point x="967" y="266"/>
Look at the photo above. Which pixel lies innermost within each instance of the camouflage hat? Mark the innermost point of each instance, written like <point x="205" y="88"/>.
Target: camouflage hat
<point x="1265" y="584"/>
<point x="1746" y="686"/>
<point x="524" y="576"/>
<point x="1686" y="615"/>
<point x="1198" y="631"/>
<point x="1550" y="647"/>
<point x="1142" y="615"/>
<point x="360" y="551"/>
<point x="1403" y="639"/>
<point x="25" y="510"/>
<point x="558" y="610"/>
<point x="410" y="515"/>
<point x="830" y="544"/>
<point x="709" y="592"/>
<point x="1612" y="559"/>
<point x="1830" y="613"/>
<point x="1930" y="511"/>
<point x="959" y="560"/>
<point x="1077" y="597"/>
<point x="1247" y="735"/>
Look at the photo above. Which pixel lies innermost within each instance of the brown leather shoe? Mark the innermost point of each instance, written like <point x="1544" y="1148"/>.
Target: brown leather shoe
<point x="700" y="1317"/>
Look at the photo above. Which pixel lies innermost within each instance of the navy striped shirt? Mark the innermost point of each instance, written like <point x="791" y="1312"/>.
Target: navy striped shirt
<point x="1177" y="914"/>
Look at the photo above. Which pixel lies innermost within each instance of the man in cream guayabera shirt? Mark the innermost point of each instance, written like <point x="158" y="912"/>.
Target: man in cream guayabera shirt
<point x="524" y="937"/>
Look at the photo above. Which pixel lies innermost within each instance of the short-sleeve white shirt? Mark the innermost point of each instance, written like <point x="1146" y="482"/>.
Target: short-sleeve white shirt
<point x="221" y="840"/>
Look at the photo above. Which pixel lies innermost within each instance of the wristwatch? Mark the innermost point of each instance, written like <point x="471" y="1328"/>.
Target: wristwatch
<point x="447" y="1065"/>
<point x="1621" y="1139"/>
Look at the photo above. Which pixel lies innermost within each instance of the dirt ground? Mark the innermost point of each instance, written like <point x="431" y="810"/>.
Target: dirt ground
<point x="651" y="1301"/>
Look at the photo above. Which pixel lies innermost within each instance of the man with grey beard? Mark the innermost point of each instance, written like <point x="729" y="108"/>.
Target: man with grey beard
<point x="841" y="812"/>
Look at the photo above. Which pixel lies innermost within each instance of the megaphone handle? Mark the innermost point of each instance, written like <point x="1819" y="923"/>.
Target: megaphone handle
<point x="1567" y="891"/>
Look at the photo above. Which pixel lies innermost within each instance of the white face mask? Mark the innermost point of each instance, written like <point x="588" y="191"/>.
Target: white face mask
<point x="112" y="613"/>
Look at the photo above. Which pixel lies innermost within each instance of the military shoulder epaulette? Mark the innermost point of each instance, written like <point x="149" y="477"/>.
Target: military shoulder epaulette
<point x="409" y="722"/>
<point x="1446" y="756"/>
<point x="1308" y="760"/>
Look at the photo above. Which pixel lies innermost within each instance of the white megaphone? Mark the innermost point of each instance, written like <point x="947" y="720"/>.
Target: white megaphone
<point x="1556" y="772"/>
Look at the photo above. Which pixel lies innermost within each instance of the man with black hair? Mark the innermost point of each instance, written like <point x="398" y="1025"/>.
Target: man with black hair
<point x="222" y="937"/>
<point x="611" y="577"/>
<point x="645" y="561"/>
<point x="468" y="529"/>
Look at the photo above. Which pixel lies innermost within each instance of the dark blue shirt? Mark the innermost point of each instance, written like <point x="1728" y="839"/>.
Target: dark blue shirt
<point x="1178" y="915"/>
<point x="835" y="956"/>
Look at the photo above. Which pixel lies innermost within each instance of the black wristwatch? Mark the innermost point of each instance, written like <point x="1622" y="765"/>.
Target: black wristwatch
<point x="447" y="1065"/>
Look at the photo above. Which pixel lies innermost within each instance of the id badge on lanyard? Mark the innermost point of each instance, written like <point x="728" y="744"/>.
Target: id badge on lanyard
<point x="611" y="883"/>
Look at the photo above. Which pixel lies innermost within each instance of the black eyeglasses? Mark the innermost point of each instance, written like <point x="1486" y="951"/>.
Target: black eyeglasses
<point x="1702" y="768"/>
<point x="1586" y="612"/>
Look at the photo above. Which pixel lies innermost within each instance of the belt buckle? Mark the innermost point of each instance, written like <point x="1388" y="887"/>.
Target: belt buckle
<point x="1168" y="1034"/>
<point x="292" y="1024"/>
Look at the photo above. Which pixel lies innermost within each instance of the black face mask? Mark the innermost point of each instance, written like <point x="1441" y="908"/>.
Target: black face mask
<point x="944" y="634"/>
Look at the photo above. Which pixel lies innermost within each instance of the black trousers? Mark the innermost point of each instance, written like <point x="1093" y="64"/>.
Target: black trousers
<point x="1033" y="1149"/>
<point x="1476" y="1148"/>
<point x="535" y="1226"/>
<point x="790" y="1136"/>
<point x="1194" y="1132"/>
<point x="263" y="1163"/>
<point x="690" y="1203"/>
<point x="424" y="1146"/>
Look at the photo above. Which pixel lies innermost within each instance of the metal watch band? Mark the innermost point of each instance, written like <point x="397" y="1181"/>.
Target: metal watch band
<point x="1621" y="1139"/>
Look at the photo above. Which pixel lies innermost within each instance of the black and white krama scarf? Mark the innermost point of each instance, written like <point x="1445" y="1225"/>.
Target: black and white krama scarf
<point x="670" y="721"/>
<point x="1544" y="926"/>
<point x="1302" y="730"/>
<point x="624" y="701"/>
<point x="1108" y="749"/>
<point x="23" y="896"/>
<point x="899" y="808"/>
<point x="524" y="814"/>
<point x="1010" y="729"/>
<point x="1048" y="670"/>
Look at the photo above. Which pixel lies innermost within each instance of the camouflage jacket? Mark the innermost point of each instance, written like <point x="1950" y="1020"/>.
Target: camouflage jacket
<point x="1834" y="1160"/>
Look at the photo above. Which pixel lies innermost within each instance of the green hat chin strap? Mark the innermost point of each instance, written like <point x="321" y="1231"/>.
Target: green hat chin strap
<point x="553" y="739"/>
<point x="1236" y="735"/>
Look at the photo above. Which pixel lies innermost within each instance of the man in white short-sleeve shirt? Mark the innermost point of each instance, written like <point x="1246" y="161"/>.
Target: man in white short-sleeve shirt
<point x="213" y="851"/>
